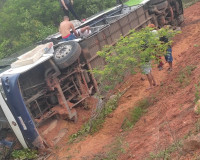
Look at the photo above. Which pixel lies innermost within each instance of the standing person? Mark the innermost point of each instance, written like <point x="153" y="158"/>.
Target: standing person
<point x="146" y="67"/>
<point x="168" y="56"/>
<point x="64" y="29"/>
<point x="147" y="70"/>
<point x="67" y="6"/>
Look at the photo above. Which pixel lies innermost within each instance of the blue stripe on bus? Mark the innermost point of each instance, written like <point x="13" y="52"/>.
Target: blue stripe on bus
<point x="18" y="108"/>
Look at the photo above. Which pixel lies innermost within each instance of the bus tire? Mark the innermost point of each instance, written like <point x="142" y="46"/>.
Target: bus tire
<point x="66" y="54"/>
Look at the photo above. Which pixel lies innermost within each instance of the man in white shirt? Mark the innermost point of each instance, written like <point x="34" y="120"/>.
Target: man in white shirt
<point x="83" y="32"/>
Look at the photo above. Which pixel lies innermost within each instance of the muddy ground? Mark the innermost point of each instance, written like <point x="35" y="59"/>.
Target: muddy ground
<point x="170" y="119"/>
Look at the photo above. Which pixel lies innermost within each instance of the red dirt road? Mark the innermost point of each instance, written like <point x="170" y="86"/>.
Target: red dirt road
<point x="168" y="120"/>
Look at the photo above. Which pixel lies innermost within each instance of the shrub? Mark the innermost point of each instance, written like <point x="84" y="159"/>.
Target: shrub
<point x="24" y="154"/>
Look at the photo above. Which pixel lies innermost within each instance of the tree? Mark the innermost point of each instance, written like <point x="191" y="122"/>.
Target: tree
<point x="129" y="54"/>
<point x="24" y="22"/>
<point x="88" y="8"/>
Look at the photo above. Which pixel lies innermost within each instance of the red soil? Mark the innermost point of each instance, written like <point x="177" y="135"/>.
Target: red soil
<point x="169" y="119"/>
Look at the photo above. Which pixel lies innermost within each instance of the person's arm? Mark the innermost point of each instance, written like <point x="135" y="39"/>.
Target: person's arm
<point x="73" y="29"/>
<point x="63" y="3"/>
<point x="72" y="2"/>
<point x="85" y="28"/>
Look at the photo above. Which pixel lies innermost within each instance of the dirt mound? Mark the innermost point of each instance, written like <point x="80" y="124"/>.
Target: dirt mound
<point x="168" y="120"/>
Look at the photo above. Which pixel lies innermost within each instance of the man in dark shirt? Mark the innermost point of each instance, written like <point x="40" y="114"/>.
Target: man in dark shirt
<point x="67" y="6"/>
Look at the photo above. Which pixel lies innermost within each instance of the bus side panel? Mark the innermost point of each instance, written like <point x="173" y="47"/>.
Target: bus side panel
<point x="8" y="117"/>
<point x="20" y="112"/>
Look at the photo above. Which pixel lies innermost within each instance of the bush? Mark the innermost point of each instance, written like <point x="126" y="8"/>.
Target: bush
<point x="95" y="124"/>
<point x="24" y="154"/>
<point x="136" y="113"/>
<point x="129" y="54"/>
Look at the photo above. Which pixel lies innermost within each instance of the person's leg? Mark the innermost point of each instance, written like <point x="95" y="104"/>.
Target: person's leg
<point x="150" y="81"/>
<point x="170" y="61"/>
<point x="169" y="58"/>
<point x="71" y="37"/>
<point x="170" y="66"/>
<point x="84" y="29"/>
<point x="153" y="80"/>
<point x="71" y="9"/>
<point x="66" y="12"/>
<point x="65" y="39"/>
<point x="160" y="65"/>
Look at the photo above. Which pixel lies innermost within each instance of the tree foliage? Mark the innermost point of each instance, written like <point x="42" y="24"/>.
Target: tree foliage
<point x="24" y="22"/>
<point x="87" y="8"/>
<point x="130" y="54"/>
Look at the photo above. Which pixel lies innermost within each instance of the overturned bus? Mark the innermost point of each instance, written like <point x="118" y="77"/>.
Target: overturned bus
<point x="51" y="80"/>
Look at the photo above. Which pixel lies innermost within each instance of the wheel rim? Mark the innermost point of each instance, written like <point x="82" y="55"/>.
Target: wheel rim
<point x="63" y="51"/>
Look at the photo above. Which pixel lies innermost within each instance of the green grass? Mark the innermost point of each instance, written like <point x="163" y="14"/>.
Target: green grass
<point x="117" y="147"/>
<point x="184" y="76"/>
<point x="197" y="92"/>
<point x="24" y="154"/>
<point x="96" y="124"/>
<point x="197" y="126"/>
<point x="133" y="2"/>
<point x="136" y="113"/>
<point x="166" y="153"/>
<point x="188" y="3"/>
<point x="197" y="97"/>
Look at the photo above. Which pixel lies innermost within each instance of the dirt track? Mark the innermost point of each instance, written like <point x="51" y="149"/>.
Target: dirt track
<point x="168" y="120"/>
